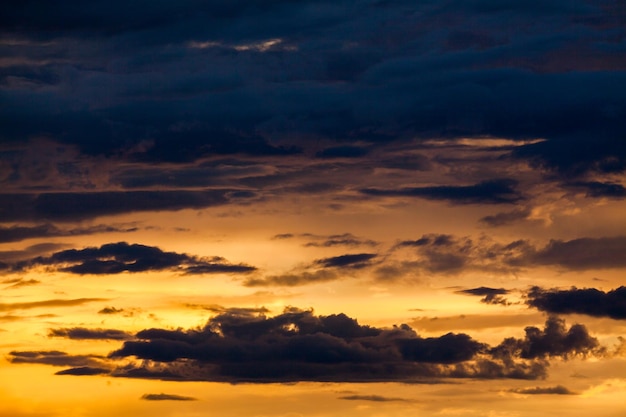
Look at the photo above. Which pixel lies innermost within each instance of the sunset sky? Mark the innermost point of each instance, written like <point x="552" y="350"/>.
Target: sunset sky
<point x="312" y="208"/>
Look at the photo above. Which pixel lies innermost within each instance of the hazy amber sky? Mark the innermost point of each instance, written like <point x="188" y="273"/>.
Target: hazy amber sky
<point x="312" y="208"/>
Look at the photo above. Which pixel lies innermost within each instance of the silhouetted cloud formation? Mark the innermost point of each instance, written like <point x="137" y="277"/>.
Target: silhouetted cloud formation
<point x="81" y="333"/>
<point x="498" y="191"/>
<point x="84" y="371"/>
<point x="589" y="301"/>
<point x="166" y="397"/>
<point x="48" y="303"/>
<point x="555" y="340"/>
<point x="490" y="295"/>
<point x="111" y="310"/>
<point x="374" y="398"/>
<point x="438" y="253"/>
<point x="582" y="253"/>
<point x="357" y="260"/>
<point x="67" y="207"/>
<point x="18" y="233"/>
<point x="55" y="358"/>
<point x="115" y="258"/>
<point x="599" y="189"/>
<point x="557" y="390"/>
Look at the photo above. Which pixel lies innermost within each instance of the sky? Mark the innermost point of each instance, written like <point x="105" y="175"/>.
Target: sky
<point x="312" y="208"/>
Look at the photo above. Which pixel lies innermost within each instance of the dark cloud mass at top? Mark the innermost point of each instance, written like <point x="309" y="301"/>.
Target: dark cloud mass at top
<point x="174" y="82"/>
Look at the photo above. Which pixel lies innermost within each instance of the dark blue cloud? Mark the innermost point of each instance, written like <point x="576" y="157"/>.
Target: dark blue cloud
<point x="174" y="82"/>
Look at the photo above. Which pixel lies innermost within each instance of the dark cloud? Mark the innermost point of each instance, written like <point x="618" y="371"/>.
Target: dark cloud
<point x="599" y="189"/>
<point x="555" y="340"/>
<point x="48" y="303"/>
<point x="84" y="371"/>
<point x="345" y="239"/>
<point x="451" y="254"/>
<point x="19" y="283"/>
<point x="297" y="345"/>
<point x="240" y="345"/>
<point x="342" y="152"/>
<point x="499" y="191"/>
<point x="505" y="218"/>
<point x="576" y="156"/>
<point x="115" y="258"/>
<point x="589" y="301"/>
<point x="54" y="358"/>
<point x="215" y="308"/>
<point x="166" y="397"/>
<point x="374" y="398"/>
<point x="557" y="390"/>
<point x="582" y="253"/>
<point x="111" y="310"/>
<point x="18" y="233"/>
<point x="490" y="295"/>
<point x="81" y="333"/>
<point x="67" y="207"/>
<point x="357" y="260"/>
<point x="293" y="278"/>
<point x="281" y="70"/>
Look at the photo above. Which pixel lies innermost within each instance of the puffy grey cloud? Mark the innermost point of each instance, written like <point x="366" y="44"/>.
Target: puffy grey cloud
<point x="589" y="301"/>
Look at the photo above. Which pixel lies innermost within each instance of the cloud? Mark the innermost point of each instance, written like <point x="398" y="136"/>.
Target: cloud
<point x="599" y="189"/>
<point x="505" y="218"/>
<point x="299" y="346"/>
<point x="66" y="207"/>
<point x="576" y="156"/>
<point x="342" y="152"/>
<point x="166" y="397"/>
<point x="345" y="239"/>
<point x="490" y="295"/>
<point x="19" y="233"/>
<point x="55" y="358"/>
<point x="81" y="333"/>
<point x="498" y="191"/>
<point x="448" y="254"/>
<point x="293" y="279"/>
<point x="582" y="254"/>
<point x="558" y="390"/>
<point x="589" y="301"/>
<point x="48" y="303"/>
<point x="356" y="261"/>
<point x="555" y="340"/>
<point x="19" y="283"/>
<point x="111" y="310"/>
<point x="115" y="258"/>
<point x="84" y="371"/>
<point x="374" y="398"/>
